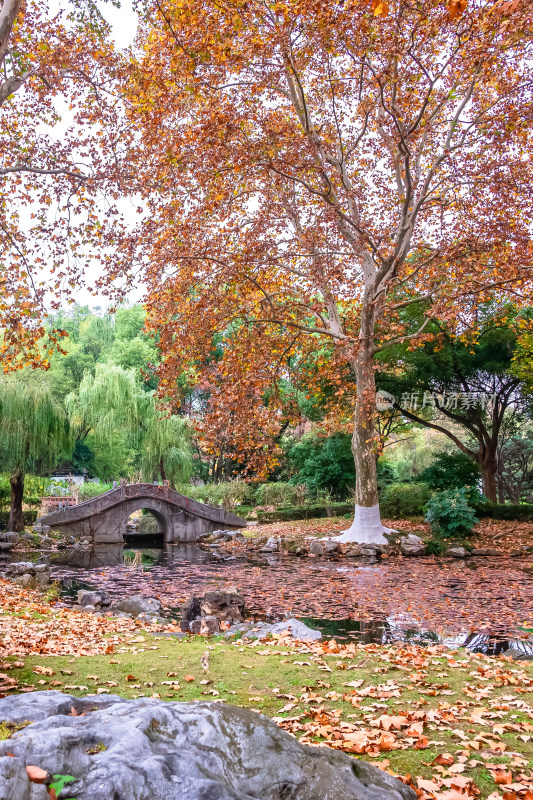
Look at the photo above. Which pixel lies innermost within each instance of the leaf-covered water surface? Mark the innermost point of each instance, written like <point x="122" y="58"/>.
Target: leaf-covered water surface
<point x="493" y="595"/>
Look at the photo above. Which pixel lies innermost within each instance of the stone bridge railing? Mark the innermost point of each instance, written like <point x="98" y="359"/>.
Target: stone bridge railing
<point x="139" y="491"/>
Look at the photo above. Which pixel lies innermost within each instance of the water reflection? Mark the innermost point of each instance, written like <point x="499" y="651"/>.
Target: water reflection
<point x="390" y="630"/>
<point x="275" y="585"/>
<point x="104" y="555"/>
<point x="113" y="555"/>
<point x="493" y="645"/>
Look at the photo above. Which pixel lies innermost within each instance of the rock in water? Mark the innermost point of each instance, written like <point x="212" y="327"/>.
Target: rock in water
<point x="316" y="548"/>
<point x="9" y="537"/>
<point x="226" y="606"/>
<point x="412" y="545"/>
<point x="137" y="604"/>
<point x="298" y="630"/>
<point x="86" y="598"/>
<point x="272" y="546"/>
<point x="457" y="552"/>
<point x="152" y="750"/>
<point x="205" y="626"/>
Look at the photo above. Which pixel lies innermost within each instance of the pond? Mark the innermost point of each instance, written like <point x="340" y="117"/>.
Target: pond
<point x="485" y="603"/>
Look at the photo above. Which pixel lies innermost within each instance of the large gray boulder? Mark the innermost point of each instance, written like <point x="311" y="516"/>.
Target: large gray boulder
<point x="9" y="536"/>
<point x="87" y="598"/>
<point x="457" y="552"/>
<point x="27" y="574"/>
<point x="147" y="749"/>
<point x="205" y="626"/>
<point x="316" y="548"/>
<point x="298" y="630"/>
<point x="20" y="567"/>
<point x="216" y="606"/>
<point x="226" y="606"/>
<point x="14" y="784"/>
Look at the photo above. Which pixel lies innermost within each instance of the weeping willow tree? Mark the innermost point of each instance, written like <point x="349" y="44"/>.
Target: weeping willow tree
<point x="34" y="434"/>
<point x="166" y="449"/>
<point x="126" y="428"/>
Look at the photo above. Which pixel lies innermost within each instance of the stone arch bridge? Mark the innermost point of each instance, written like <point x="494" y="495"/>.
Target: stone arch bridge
<point x="103" y="519"/>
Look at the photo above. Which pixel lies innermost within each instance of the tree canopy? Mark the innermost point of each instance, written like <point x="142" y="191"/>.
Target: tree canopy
<point x="34" y="434"/>
<point x="465" y="386"/>
<point x="311" y="170"/>
<point x="53" y="187"/>
<point x="112" y="411"/>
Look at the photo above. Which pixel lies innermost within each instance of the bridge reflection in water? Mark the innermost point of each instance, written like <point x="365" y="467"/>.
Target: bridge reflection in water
<point x="116" y="555"/>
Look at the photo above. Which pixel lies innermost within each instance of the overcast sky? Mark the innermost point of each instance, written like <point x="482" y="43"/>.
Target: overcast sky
<point x="123" y="21"/>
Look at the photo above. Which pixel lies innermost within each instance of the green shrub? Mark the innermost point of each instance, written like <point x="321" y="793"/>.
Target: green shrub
<point x="280" y="493"/>
<point x="230" y="493"/>
<point x="199" y="493"/>
<point x="5" y="492"/>
<point x="450" y="514"/>
<point x="401" y="500"/>
<point x="450" y="471"/>
<point x="436" y="547"/>
<point x="88" y="490"/>
<point x="29" y="518"/>
<point x="324" y="463"/>
<point x="33" y="502"/>
<point x="507" y="511"/>
<point x="305" y="512"/>
<point x="475" y="499"/>
<point x="386" y="474"/>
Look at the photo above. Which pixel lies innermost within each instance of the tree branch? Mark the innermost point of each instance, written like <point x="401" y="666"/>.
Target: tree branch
<point x="8" y="15"/>
<point x="401" y="339"/>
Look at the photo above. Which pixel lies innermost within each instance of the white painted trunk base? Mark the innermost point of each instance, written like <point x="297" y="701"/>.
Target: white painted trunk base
<point x="366" y="527"/>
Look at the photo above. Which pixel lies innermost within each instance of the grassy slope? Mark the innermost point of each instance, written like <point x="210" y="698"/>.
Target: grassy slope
<point x="258" y="676"/>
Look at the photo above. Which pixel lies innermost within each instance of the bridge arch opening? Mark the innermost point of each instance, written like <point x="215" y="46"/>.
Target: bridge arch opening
<point x="145" y="523"/>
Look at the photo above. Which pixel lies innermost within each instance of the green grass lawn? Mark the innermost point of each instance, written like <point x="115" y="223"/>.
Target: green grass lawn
<point x="480" y="708"/>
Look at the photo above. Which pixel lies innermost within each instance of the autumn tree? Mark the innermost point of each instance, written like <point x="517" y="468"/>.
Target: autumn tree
<point x="34" y="433"/>
<point x="60" y="153"/>
<point x="313" y="168"/>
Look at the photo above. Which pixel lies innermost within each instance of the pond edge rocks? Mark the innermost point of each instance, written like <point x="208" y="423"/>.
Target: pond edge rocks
<point x="27" y="574"/>
<point x="145" y="609"/>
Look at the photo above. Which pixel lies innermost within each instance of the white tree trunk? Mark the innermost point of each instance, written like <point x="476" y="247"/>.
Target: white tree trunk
<point x="366" y="527"/>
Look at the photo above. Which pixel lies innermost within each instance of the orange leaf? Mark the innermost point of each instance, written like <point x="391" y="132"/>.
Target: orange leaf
<point x="456" y="8"/>
<point x="501" y="777"/>
<point x="444" y="759"/>
<point x="380" y="8"/>
<point x="37" y="775"/>
<point x="422" y="743"/>
<point x="387" y="741"/>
